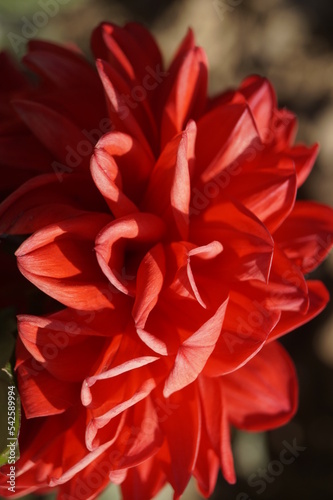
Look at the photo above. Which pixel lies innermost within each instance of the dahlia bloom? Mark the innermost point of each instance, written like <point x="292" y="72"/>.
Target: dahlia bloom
<point x="179" y="251"/>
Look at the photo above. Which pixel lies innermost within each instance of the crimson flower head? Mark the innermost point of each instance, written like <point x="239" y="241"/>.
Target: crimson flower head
<point x="166" y="224"/>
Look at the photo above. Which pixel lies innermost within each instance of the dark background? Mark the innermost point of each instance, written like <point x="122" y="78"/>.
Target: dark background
<point x="291" y="42"/>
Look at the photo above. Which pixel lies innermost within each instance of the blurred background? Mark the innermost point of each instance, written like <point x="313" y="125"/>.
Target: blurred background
<point x="290" y="42"/>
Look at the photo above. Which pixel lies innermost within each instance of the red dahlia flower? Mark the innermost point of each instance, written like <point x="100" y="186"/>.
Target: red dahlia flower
<point x="180" y="257"/>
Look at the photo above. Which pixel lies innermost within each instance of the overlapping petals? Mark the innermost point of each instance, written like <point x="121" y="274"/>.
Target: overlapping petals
<point x="179" y="252"/>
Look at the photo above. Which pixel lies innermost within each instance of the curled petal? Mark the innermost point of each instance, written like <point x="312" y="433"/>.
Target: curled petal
<point x="150" y="278"/>
<point x="290" y="320"/>
<point x="247" y="244"/>
<point x="142" y="228"/>
<point x="122" y="116"/>
<point x="60" y="261"/>
<point x="168" y="192"/>
<point x="133" y="161"/>
<point x="286" y="290"/>
<point x="130" y="379"/>
<point x="105" y="172"/>
<point x="306" y="236"/>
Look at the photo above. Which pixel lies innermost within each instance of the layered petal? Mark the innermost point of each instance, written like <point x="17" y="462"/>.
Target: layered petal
<point x="60" y="261"/>
<point x="187" y="98"/>
<point x="167" y="223"/>
<point x="247" y="244"/>
<point x="182" y="430"/>
<point x="194" y="352"/>
<point x="216" y="422"/>
<point x="37" y="203"/>
<point x="290" y="320"/>
<point x="56" y="132"/>
<point x="306" y="236"/>
<point x="264" y="393"/>
<point x="116" y="238"/>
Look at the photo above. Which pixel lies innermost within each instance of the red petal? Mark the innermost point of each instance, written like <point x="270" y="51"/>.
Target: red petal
<point x="207" y="465"/>
<point x="180" y="190"/>
<point x="187" y="98"/>
<point x="260" y="96"/>
<point x="168" y="191"/>
<point x="146" y="42"/>
<point x="122" y="117"/>
<point x="246" y="327"/>
<point x="182" y="295"/>
<point x="304" y="158"/>
<point x="129" y="379"/>
<point x="110" y="243"/>
<point x="187" y="45"/>
<point x="120" y="169"/>
<point x="182" y="431"/>
<point x="150" y="278"/>
<point x="42" y="201"/>
<point x="247" y="244"/>
<point x="306" y="236"/>
<point x="61" y="66"/>
<point x="60" y="261"/>
<point x="104" y="171"/>
<point x="56" y="132"/>
<point x="72" y="467"/>
<point x="78" y="486"/>
<point x="106" y="47"/>
<point x="193" y="354"/>
<point x="124" y="49"/>
<point x="215" y="412"/>
<point x="268" y="192"/>
<point x="140" y="438"/>
<point x="60" y="347"/>
<point x="262" y="394"/>
<point x="229" y="130"/>
<point x="42" y="394"/>
<point x="286" y="290"/>
<point x="191" y="266"/>
<point x="290" y="320"/>
<point x="284" y="128"/>
<point x="143" y="481"/>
